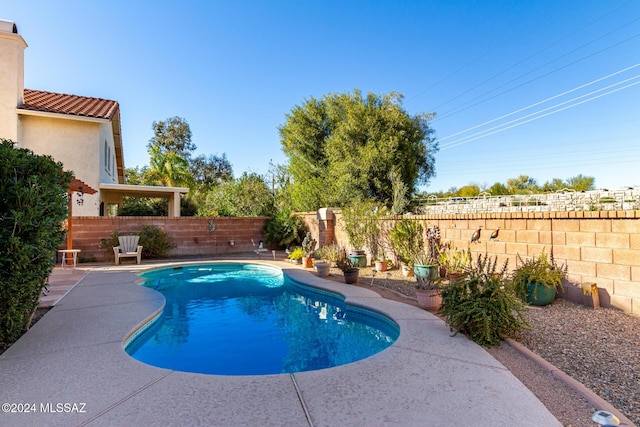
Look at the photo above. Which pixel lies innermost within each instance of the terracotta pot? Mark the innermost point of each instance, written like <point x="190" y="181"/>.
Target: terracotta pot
<point x="454" y="277"/>
<point x="429" y="298"/>
<point x="307" y="262"/>
<point x="381" y="265"/>
<point x="407" y="271"/>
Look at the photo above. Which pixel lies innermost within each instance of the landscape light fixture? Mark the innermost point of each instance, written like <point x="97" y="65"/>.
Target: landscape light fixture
<point x="605" y="418"/>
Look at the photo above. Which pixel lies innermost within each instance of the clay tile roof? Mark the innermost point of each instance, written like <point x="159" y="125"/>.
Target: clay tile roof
<point x="50" y="102"/>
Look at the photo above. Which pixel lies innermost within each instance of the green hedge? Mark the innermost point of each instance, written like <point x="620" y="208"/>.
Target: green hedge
<point x="33" y="206"/>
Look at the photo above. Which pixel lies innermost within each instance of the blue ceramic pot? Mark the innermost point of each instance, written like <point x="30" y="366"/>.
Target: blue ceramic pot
<point x="540" y="294"/>
<point x="429" y="271"/>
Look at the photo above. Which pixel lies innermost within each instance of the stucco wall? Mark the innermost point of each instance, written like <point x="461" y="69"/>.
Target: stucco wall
<point x="191" y="235"/>
<point x="74" y="143"/>
<point x="11" y="83"/>
<point x="109" y="175"/>
<point x="597" y="247"/>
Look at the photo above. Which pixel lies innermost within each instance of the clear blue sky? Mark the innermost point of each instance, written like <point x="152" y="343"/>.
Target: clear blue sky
<point x="234" y="69"/>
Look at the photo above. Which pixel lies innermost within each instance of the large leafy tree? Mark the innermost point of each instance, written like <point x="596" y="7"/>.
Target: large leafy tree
<point x="581" y="183"/>
<point x="170" y="150"/>
<point x="345" y="145"/>
<point x="523" y="184"/>
<point x="248" y="195"/>
<point x="211" y="170"/>
<point x="555" y="184"/>
<point x="172" y="135"/>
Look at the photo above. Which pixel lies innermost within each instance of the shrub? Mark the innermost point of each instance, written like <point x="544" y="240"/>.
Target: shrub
<point x="483" y="305"/>
<point x="155" y="242"/>
<point x="406" y="239"/>
<point x="33" y="206"/>
<point x="284" y="229"/>
<point x="361" y="223"/>
<point x="330" y="253"/>
<point x="297" y="253"/>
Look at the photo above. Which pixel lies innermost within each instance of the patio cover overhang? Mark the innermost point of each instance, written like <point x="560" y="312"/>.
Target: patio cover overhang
<point x="115" y="192"/>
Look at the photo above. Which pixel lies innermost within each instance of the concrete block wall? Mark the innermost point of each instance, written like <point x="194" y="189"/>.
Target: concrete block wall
<point x="191" y="235"/>
<point x="601" y="247"/>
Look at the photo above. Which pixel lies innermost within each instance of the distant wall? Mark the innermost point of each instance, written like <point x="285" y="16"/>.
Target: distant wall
<point x="601" y="247"/>
<point x="190" y="234"/>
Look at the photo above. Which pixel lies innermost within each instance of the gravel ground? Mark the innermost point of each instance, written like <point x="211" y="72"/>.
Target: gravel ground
<point x="598" y="348"/>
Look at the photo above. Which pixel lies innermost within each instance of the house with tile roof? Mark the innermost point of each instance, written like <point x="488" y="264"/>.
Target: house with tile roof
<point x="83" y="133"/>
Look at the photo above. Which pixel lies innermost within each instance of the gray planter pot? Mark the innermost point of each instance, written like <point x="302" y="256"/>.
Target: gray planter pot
<point x="322" y="268"/>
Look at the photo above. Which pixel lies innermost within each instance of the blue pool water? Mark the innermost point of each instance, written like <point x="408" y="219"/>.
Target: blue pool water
<point x="244" y="319"/>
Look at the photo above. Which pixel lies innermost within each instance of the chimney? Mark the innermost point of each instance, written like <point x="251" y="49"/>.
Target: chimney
<point x="12" y="47"/>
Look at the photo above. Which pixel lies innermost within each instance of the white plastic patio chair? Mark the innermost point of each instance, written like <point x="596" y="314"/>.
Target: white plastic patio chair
<point x="128" y="248"/>
<point x="260" y="248"/>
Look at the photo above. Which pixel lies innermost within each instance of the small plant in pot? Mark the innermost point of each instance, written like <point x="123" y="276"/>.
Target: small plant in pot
<point x="308" y="248"/>
<point x="537" y="280"/>
<point x="361" y="223"/>
<point x="330" y="253"/>
<point x="296" y="255"/>
<point x="350" y="270"/>
<point x="406" y="241"/>
<point x="425" y="265"/>
<point x="453" y="261"/>
<point x="382" y="265"/>
<point x="322" y="265"/>
<point x="425" y="262"/>
<point x="428" y="290"/>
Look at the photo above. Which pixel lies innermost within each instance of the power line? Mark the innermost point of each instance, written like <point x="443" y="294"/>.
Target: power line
<point x="539" y="117"/>
<point x="459" y="110"/>
<point x="518" y="63"/>
<point x="540" y="102"/>
<point x="545" y="154"/>
<point x="548" y="166"/>
<point x="535" y="24"/>
<point x="521" y="120"/>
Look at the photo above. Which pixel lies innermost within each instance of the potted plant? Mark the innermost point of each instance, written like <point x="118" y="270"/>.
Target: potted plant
<point x="406" y="241"/>
<point x="382" y="265"/>
<point x="308" y="248"/>
<point x="361" y="223"/>
<point x="538" y="279"/>
<point x="425" y="263"/>
<point x="428" y="291"/>
<point x="350" y="270"/>
<point x="407" y="270"/>
<point x="296" y="255"/>
<point x="453" y="261"/>
<point x="322" y="266"/>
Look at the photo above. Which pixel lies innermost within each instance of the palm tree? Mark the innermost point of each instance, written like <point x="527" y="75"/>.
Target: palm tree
<point x="169" y="169"/>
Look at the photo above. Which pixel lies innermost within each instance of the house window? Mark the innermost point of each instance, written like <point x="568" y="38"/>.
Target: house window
<point x="107" y="157"/>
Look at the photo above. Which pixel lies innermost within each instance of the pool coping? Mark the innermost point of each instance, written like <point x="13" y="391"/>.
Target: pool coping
<point x="75" y="354"/>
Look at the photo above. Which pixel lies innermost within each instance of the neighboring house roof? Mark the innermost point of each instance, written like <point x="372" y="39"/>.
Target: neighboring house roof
<point x="59" y="103"/>
<point x="38" y="102"/>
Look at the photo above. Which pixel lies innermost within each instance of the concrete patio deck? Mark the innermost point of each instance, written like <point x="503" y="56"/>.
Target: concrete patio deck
<point x="74" y="355"/>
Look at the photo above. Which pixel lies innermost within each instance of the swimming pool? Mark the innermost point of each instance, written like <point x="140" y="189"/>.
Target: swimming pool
<point x="247" y="319"/>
